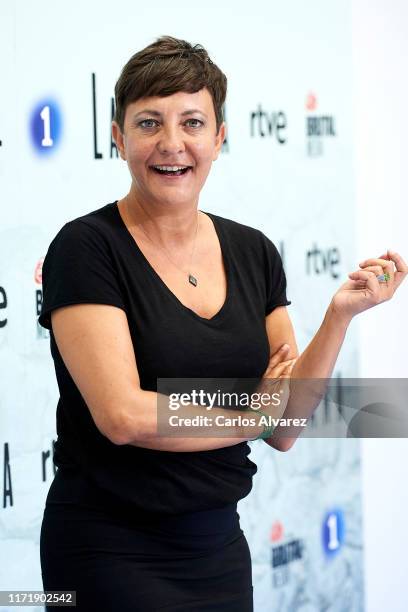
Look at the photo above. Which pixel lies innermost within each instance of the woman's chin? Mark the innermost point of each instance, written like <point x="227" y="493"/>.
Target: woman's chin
<point x="175" y="199"/>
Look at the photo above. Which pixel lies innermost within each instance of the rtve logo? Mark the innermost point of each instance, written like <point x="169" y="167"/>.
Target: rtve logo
<point x="323" y="261"/>
<point x="269" y="124"/>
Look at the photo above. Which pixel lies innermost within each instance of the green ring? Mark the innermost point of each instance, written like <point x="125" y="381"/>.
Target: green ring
<point x="267" y="431"/>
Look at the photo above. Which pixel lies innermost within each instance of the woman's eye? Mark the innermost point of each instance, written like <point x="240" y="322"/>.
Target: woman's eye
<point x="147" y="121"/>
<point x="198" y="120"/>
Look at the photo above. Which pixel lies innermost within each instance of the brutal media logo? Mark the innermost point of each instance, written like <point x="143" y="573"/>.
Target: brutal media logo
<point x="318" y="127"/>
<point x="285" y="551"/>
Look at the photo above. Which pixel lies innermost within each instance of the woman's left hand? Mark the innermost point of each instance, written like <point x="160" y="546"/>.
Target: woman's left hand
<point x="364" y="290"/>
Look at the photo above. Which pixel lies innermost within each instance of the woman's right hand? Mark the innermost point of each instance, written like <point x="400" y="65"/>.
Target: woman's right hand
<point x="278" y="367"/>
<point x="271" y="383"/>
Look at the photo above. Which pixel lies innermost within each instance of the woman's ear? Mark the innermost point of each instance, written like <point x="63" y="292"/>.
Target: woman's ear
<point x="219" y="139"/>
<point x="119" y="140"/>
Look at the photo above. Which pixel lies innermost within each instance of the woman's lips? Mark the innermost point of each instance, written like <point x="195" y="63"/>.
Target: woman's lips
<point x="173" y="176"/>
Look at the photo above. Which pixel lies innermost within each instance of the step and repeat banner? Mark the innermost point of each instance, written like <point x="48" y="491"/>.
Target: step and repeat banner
<point x="285" y="168"/>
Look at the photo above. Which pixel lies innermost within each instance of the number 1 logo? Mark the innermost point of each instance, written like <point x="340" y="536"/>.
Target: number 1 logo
<point x="46" y="126"/>
<point x="333" y="532"/>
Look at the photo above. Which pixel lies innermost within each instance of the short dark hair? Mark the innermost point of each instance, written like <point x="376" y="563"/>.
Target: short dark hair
<point x="165" y="67"/>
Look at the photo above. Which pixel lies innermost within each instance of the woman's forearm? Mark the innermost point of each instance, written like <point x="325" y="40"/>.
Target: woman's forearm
<point x="148" y="419"/>
<point x="310" y="376"/>
<point x="319" y="358"/>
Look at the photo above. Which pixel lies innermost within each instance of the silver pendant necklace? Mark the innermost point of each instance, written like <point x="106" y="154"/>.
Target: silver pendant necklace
<point x="193" y="280"/>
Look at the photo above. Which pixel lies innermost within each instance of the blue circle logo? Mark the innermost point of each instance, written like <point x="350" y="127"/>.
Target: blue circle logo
<point x="333" y="532"/>
<point x="46" y="127"/>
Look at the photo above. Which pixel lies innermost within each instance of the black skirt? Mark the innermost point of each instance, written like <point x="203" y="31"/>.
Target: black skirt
<point x="195" y="562"/>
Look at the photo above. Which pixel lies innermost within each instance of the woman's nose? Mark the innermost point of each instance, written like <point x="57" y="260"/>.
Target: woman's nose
<point x="171" y="140"/>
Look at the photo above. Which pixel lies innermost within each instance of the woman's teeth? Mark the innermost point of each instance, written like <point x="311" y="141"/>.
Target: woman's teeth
<point x="177" y="170"/>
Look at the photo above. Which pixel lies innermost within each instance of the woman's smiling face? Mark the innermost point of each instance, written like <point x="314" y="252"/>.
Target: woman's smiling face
<point x="173" y="131"/>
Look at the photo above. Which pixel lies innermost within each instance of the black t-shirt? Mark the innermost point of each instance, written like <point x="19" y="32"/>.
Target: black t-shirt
<point x="94" y="259"/>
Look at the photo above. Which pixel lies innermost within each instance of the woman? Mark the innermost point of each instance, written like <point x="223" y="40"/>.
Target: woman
<point x="151" y="287"/>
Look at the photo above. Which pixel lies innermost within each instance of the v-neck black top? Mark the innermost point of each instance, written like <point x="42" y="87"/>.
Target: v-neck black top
<point x="95" y="259"/>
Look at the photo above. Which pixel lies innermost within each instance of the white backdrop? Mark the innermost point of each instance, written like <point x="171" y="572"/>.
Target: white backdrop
<point x="380" y="49"/>
<point x="290" y="61"/>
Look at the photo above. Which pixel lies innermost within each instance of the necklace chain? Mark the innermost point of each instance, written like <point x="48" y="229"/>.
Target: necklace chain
<point x="193" y="280"/>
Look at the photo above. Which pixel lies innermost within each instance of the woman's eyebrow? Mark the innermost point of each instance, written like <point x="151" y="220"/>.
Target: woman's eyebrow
<point x="147" y="111"/>
<point x="156" y="113"/>
<point x="193" y="110"/>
